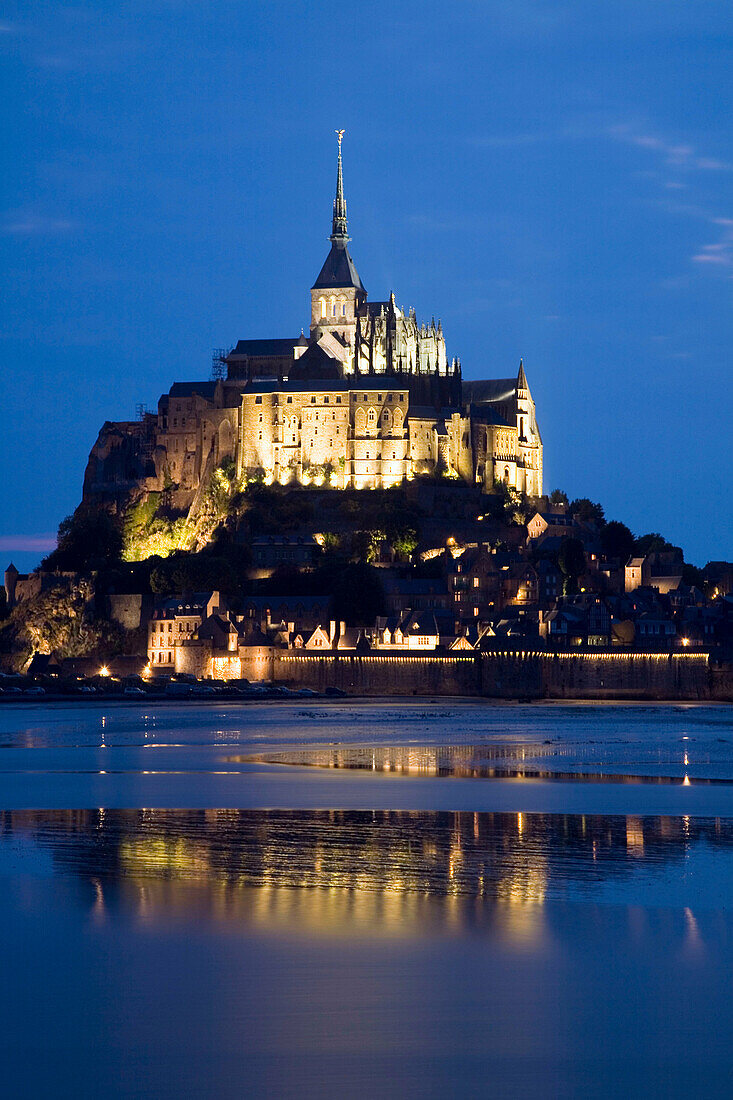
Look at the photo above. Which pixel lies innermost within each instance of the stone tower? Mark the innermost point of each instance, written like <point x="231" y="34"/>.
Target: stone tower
<point x="337" y="293"/>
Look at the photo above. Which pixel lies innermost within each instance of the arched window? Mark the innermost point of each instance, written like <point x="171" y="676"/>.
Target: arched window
<point x="372" y="417"/>
<point x="360" y="421"/>
<point x="386" y="420"/>
<point x="397" y="420"/>
<point x="342" y="307"/>
<point x="322" y="303"/>
<point x="333" y="307"/>
<point x="506" y="473"/>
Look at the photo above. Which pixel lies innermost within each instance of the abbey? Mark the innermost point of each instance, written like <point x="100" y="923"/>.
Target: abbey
<point x="368" y="399"/>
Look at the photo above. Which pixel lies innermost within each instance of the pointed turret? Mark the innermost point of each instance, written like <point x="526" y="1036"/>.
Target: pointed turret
<point x="521" y="377"/>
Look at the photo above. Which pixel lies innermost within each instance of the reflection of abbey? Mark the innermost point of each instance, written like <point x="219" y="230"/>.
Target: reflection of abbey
<point x="369" y="399"/>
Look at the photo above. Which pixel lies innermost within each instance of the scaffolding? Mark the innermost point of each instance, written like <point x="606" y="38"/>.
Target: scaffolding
<point x="219" y="364"/>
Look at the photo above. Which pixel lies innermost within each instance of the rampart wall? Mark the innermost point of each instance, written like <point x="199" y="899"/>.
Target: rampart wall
<point x="503" y="675"/>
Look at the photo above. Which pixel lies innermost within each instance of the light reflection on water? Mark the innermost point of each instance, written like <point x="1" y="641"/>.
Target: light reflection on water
<point x="495" y="761"/>
<point x="501" y="858"/>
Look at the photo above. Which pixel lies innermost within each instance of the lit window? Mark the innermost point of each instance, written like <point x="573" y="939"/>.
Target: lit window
<point x="322" y="303"/>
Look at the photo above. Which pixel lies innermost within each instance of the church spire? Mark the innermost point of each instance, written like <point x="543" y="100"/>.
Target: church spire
<point x="339" y="230"/>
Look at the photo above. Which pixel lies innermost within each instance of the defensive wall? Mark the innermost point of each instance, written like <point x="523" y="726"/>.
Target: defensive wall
<point x="503" y="674"/>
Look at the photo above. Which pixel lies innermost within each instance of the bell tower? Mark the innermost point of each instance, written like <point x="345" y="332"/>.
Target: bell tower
<point x="337" y="293"/>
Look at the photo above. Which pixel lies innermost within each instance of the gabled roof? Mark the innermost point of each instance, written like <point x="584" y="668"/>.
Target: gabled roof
<point x="338" y="271"/>
<point x="316" y="363"/>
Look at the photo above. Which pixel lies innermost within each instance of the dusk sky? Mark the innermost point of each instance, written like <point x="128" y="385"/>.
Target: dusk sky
<point x="553" y="180"/>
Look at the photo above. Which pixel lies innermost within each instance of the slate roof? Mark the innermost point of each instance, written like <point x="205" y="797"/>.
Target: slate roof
<point x="338" y="271"/>
<point x="264" y="348"/>
<point x="487" y="415"/>
<point x="490" y="389"/>
<point x="188" y="389"/>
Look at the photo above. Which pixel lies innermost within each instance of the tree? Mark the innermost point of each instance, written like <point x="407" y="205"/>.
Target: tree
<point x="693" y="576"/>
<point x="617" y="541"/>
<point x="571" y="562"/>
<point x="357" y="596"/>
<point x="586" y="511"/>
<point x="404" y="542"/>
<point x="557" y="496"/>
<point x="653" y="543"/>
<point x="88" y="539"/>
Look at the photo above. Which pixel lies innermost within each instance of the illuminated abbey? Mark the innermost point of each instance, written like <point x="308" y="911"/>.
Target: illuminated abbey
<point x="368" y="399"/>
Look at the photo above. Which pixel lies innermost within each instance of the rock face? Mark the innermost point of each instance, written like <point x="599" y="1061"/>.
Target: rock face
<point x="58" y="620"/>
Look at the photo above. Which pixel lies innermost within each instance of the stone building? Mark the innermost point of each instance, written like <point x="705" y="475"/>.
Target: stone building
<point x="368" y="399"/>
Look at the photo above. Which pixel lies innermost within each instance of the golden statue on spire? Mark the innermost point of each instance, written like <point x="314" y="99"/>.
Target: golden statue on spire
<point x="339" y="134"/>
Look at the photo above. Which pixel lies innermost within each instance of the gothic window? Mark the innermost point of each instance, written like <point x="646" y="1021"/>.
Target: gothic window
<point x="386" y="419"/>
<point x="506" y="473"/>
<point x="333" y="307"/>
<point x="372" y="417"/>
<point x="360" y="421"/>
<point x="322" y="304"/>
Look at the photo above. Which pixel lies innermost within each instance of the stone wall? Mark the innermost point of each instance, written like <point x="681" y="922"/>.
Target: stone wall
<point x="503" y="675"/>
<point x="129" y="611"/>
<point x="626" y="676"/>
<point x="368" y="674"/>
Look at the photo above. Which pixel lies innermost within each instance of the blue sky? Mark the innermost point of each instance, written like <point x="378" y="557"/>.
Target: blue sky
<point x="553" y="180"/>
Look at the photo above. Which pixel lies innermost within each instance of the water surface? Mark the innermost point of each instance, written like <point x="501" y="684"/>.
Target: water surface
<point x="383" y="900"/>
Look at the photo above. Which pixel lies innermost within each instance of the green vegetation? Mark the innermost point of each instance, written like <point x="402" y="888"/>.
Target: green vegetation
<point x="572" y="564"/>
<point x="87" y="540"/>
<point x="508" y="505"/>
<point x="587" y="512"/>
<point x="617" y="541"/>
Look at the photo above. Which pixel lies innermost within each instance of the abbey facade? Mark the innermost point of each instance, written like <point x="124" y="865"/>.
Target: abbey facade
<point x="368" y="399"/>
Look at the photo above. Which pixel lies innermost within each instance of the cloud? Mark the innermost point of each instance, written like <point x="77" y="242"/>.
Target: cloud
<point x="27" y="544"/>
<point x="716" y="255"/>
<point x="29" y="224"/>
<point x="674" y="154"/>
<point x="719" y="253"/>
